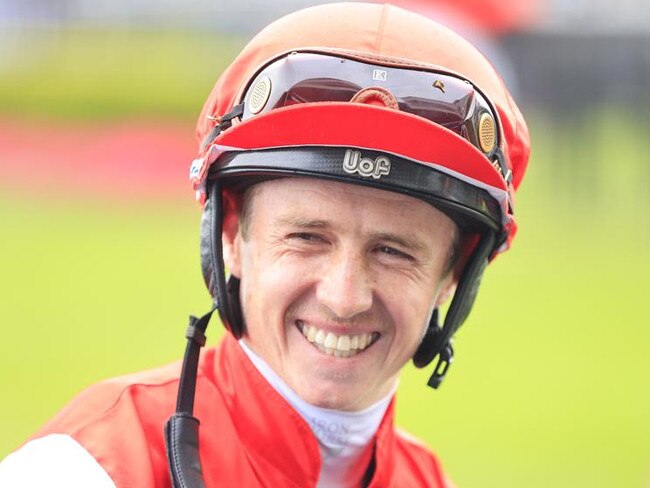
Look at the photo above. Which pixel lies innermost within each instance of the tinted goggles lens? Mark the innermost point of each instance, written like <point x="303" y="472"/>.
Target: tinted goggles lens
<point x="302" y="77"/>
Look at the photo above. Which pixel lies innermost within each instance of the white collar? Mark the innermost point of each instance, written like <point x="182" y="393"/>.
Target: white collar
<point x="342" y="436"/>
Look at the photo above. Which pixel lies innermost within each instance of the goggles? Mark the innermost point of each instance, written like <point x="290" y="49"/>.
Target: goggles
<point x="442" y="98"/>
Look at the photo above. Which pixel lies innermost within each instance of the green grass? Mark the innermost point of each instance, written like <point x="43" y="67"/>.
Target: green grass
<point x="107" y="73"/>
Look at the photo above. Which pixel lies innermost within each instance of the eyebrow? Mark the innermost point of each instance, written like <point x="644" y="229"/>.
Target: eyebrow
<point x="412" y="244"/>
<point x="305" y="223"/>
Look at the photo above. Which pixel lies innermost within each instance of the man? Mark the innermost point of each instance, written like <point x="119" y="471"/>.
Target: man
<point x="357" y="169"/>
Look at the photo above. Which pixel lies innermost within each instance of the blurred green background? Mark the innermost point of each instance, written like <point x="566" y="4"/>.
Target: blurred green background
<point x="550" y="383"/>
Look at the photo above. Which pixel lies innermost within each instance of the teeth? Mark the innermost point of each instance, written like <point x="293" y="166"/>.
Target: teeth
<point x="330" y="341"/>
<point x="311" y="334"/>
<point x="319" y="338"/>
<point x="339" y="346"/>
<point x="343" y="343"/>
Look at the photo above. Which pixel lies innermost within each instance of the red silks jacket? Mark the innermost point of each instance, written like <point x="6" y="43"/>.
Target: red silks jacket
<point x="249" y="435"/>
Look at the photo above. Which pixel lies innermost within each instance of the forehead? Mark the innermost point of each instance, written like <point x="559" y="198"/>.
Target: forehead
<point x="346" y="204"/>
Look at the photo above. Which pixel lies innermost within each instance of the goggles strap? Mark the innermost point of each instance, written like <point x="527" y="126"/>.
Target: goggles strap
<point x="502" y="167"/>
<point x="225" y="121"/>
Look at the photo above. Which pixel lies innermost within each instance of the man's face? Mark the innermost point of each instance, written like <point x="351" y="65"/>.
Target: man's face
<point x="338" y="283"/>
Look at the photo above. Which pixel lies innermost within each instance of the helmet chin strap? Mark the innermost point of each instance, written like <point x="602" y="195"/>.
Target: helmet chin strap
<point x="182" y="429"/>
<point x="437" y="340"/>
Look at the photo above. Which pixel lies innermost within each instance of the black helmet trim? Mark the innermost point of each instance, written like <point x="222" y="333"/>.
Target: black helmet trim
<point x="471" y="207"/>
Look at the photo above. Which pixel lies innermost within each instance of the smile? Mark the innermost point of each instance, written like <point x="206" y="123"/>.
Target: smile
<point x="343" y="346"/>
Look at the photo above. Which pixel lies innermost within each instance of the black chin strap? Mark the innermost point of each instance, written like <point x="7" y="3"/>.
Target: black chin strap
<point x="437" y="340"/>
<point x="182" y="429"/>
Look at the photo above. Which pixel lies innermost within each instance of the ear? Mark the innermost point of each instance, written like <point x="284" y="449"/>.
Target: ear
<point x="231" y="239"/>
<point x="447" y="289"/>
<point x="453" y="277"/>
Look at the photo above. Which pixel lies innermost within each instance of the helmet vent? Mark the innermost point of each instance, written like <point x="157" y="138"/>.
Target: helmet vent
<point x="487" y="132"/>
<point x="259" y="95"/>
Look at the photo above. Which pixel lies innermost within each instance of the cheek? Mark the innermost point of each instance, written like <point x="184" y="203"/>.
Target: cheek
<point x="269" y="287"/>
<point x="252" y="293"/>
<point x="411" y="311"/>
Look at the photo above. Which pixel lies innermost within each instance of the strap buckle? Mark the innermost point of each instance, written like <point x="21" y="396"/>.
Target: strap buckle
<point x="445" y="358"/>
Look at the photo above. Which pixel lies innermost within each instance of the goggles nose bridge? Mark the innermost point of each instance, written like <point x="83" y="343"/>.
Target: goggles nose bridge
<point x="376" y="95"/>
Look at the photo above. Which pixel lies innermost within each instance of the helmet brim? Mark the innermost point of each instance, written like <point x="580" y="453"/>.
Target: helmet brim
<point x="366" y="127"/>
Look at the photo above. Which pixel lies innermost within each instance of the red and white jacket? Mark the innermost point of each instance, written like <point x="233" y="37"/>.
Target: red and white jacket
<point x="111" y="435"/>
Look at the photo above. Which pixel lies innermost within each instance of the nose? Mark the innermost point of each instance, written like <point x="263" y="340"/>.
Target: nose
<point x="345" y="286"/>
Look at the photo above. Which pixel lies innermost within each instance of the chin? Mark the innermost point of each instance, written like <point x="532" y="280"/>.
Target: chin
<point x="332" y="403"/>
<point x="331" y="398"/>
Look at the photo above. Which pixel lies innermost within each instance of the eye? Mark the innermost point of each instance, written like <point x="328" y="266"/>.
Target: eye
<point x="307" y="237"/>
<point x="392" y="252"/>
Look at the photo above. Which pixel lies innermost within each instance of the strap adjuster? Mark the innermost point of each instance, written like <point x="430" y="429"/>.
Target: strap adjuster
<point x="445" y="358"/>
<point x="194" y="333"/>
<point x="225" y="121"/>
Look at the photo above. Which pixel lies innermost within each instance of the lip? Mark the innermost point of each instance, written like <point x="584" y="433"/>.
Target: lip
<point x="335" y="328"/>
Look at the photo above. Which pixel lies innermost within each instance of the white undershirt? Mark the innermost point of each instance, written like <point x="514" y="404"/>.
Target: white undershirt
<point x="54" y="461"/>
<point x="342" y="436"/>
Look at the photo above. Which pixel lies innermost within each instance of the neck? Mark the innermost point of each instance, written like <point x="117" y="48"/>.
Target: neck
<point x="344" y="438"/>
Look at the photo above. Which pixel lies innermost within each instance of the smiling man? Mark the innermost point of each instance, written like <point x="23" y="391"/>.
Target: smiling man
<point x="357" y="167"/>
<point x="323" y="286"/>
